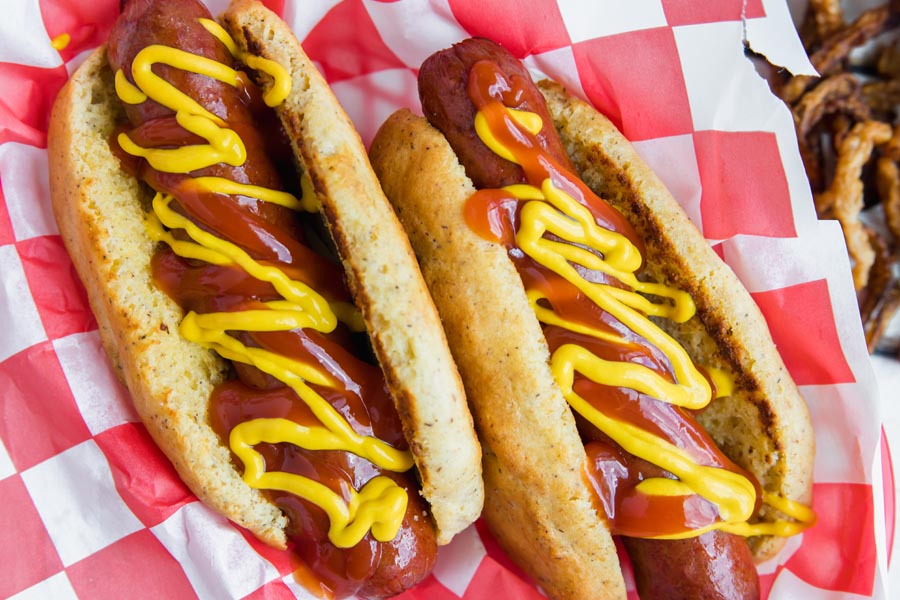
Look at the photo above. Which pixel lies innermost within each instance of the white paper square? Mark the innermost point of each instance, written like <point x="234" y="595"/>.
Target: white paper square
<point x="764" y="264"/>
<point x="7" y="468"/>
<point x="724" y="90"/>
<point x="774" y="264"/>
<point x="674" y="160"/>
<point x="776" y="37"/>
<point x="588" y="20"/>
<point x="369" y="110"/>
<point x="26" y="188"/>
<point x="25" y="39"/>
<point x="559" y="65"/>
<point x="300" y="592"/>
<point x="102" y="401"/>
<point x="303" y="16"/>
<point x="217" y="559"/>
<point x="769" y="264"/>
<point x="22" y="326"/>
<point x="216" y="7"/>
<point x="838" y="457"/>
<point x="392" y="19"/>
<point x="57" y="587"/>
<point x="458" y="561"/>
<point x="73" y="63"/>
<point x="772" y="565"/>
<point x="788" y="585"/>
<point x="76" y="497"/>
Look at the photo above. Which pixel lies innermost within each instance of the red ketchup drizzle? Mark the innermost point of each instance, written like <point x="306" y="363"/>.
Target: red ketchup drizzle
<point x="271" y="235"/>
<point x="495" y="214"/>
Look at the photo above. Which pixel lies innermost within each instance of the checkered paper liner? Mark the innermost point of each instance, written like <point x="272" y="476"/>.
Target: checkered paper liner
<point x="90" y="507"/>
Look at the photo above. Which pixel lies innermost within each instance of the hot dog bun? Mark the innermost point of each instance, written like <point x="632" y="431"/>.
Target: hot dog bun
<point x="101" y="215"/>
<point x="538" y="503"/>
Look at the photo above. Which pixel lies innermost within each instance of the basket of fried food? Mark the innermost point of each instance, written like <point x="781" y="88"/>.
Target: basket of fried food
<point x="848" y="129"/>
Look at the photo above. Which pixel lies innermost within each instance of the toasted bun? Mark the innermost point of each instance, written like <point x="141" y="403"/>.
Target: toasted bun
<point x="764" y="426"/>
<point x="382" y="273"/>
<point x="538" y="503"/>
<point x="100" y="211"/>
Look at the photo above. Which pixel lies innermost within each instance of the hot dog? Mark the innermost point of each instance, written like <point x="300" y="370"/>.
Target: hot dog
<point x="595" y="293"/>
<point x="225" y="312"/>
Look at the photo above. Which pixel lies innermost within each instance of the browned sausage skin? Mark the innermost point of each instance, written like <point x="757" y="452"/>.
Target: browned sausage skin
<point x="711" y="565"/>
<point x="443" y="83"/>
<point x="269" y="233"/>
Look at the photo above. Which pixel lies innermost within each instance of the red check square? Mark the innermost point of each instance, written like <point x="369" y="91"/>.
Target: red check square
<point x="430" y="588"/>
<point x="346" y="44"/>
<point x="523" y="27"/>
<point x="143" y="476"/>
<point x="836" y="555"/>
<point x="27" y="552"/>
<point x="890" y="491"/>
<point x="767" y="581"/>
<point x="494" y="550"/>
<point x="644" y="95"/>
<point x="691" y="12"/>
<point x="58" y="294"/>
<point x="7" y="236"/>
<point x="492" y="575"/>
<point x="86" y="23"/>
<point x="284" y="561"/>
<point x="745" y="189"/>
<point x="801" y="321"/>
<point x="274" y="590"/>
<point x="25" y="115"/>
<point x="40" y="416"/>
<point x="136" y="565"/>
<point x="276" y="6"/>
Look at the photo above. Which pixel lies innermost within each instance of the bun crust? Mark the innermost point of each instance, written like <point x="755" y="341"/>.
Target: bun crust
<point x="101" y="210"/>
<point x="538" y="503"/>
<point x="764" y="426"/>
<point x="100" y="213"/>
<point x="382" y="273"/>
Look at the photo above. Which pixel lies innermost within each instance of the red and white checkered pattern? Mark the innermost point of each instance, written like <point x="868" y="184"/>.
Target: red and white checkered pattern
<point x="93" y="510"/>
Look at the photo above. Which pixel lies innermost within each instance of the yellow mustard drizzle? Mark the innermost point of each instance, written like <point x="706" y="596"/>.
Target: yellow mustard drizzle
<point x="550" y="210"/>
<point x="61" y="41"/>
<point x="381" y="504"/>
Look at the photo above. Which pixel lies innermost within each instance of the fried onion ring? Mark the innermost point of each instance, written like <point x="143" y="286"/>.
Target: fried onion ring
<point x="844" y="197"/>
<point x="888" y="182"/>
<point x="828" y="17"/>
<point x="828" y="58"/>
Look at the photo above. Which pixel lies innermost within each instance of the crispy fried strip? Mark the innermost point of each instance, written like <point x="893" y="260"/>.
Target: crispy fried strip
<point x="836" y="48"/>
<point x="811" y="155"/>
<point x="891" y="150"/>
<point x="844" y="197"/>
<point x="888" y="181"/>
<point x="882" y="96"/>
<point x="837" y="93"/>
<point x="879" y="277"/>
<point x="828" y="17"/>
<point x="841" y="126"/>
<point x="887" y="305"/>
<point x="888" y="64"/>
